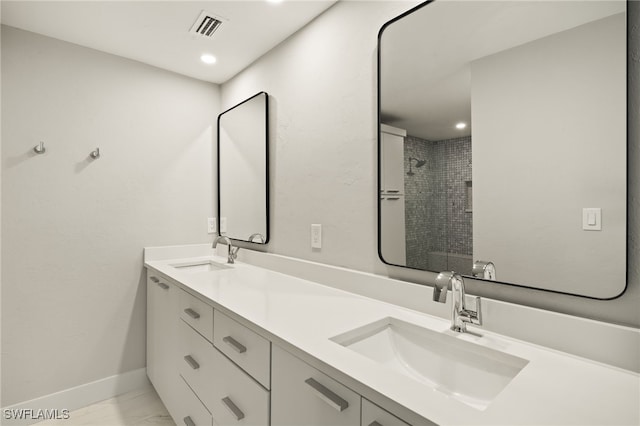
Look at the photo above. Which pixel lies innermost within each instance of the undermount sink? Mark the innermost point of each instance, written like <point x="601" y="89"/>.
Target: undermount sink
<point x="200" y="266"/>
<point x="468" y="372"/>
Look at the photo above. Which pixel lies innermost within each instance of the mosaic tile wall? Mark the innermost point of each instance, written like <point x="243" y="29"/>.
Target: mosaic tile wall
<point x="435" y="195"/>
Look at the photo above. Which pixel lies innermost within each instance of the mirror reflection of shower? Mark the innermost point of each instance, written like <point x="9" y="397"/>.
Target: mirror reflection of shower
<point x="419" y="163"/>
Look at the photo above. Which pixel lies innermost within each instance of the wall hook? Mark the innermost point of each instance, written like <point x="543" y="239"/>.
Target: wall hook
<point x="39" y="149"/>
<point x="95" y="154"/>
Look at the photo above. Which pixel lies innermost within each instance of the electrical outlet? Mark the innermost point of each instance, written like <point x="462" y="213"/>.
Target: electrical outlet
<point x="223" y="225"/>
<point x="316" y="235"/>
<point x="211" y="225"/>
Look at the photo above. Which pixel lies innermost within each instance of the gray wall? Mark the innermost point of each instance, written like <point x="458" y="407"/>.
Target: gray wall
<point x="563" y="151"/>
<point x="73" y="230"/>
<point x="322" y="82"/>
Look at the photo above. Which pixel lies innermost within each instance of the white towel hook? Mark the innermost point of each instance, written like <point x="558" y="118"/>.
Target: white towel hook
<point x="95" y="154"/>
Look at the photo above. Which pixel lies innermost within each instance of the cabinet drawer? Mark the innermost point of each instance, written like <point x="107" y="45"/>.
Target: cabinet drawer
<point x="372" y="415"/>
<point x="195" y="360"/>
<point x="302" y="395"/>
<point x="236" y="397"/>
<point x="190" y="411"/>
<point x="246" y="348"/>
<point x="197" y="314"/>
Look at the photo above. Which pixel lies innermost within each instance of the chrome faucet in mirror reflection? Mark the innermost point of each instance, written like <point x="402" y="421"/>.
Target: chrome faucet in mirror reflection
<point x="460" y="315"/>
<point x="484" y="270"/>
<point x="419" y="163"/>
<point x="257" y="236"/>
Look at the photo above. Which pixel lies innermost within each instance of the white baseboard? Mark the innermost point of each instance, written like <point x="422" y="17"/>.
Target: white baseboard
<point x="74" y="398"/>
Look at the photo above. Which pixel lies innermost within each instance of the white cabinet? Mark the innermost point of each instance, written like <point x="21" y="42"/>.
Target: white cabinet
<point x="236" y="399"/>
<point x="392" y="160"/>
<point x="189" y="409"/>
<point x="243" y="346"/>
<point x="392" y="229"/>
<point x="197" y="314"/>
<point x="195" y="360"/>
<point x="210" y="369"/>
<point x="304" y="396"/>
<point x="372" y="415"/>
<point x="230" y="394"/>
<point x="162" y="370"/>
<point x="392" y="209"/>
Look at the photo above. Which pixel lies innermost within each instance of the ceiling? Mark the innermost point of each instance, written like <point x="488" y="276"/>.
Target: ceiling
<point x="157" y="32"/>
<point x="425" y="68"/>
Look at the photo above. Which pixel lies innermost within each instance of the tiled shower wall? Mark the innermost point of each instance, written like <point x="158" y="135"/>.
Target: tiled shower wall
<point x="435" y="215"/>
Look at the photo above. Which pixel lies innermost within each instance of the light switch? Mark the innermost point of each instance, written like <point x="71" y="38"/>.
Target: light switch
<point x="592" y="219"/>
<point x="316" y="235"/>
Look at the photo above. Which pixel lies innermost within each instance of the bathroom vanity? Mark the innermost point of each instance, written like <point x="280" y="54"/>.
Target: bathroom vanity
<point x="241" y="344"/>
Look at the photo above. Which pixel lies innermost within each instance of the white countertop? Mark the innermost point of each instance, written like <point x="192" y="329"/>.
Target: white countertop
<point x="553" y="388"/>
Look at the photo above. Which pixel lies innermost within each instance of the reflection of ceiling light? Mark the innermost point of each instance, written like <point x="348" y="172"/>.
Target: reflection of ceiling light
<point x="208" y="59"/>
<point x="274" y="1"/>
<point x="461" y="125"/>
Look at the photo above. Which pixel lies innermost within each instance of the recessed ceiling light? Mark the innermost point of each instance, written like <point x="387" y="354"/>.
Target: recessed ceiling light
<point x="274" y="1"/>
<point x="208" y="59"/>
<point x="461" y="125"/>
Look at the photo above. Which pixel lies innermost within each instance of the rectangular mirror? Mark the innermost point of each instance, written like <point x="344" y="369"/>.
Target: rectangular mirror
<point x="243" y="170"/>
<point x="503" y="139"/>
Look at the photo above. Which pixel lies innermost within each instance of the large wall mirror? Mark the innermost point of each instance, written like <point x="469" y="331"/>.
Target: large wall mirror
<point x="243" y="170"/>
<point x="503" y="138"/>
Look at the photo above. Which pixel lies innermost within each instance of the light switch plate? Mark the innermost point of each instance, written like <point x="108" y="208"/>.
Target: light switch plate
<point x="223" y="225"/>
<point x="316" y="235"/>
<point x="592" y="219"/>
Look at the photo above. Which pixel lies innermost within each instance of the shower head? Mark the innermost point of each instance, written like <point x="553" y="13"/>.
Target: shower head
<point x="419" y="163"/>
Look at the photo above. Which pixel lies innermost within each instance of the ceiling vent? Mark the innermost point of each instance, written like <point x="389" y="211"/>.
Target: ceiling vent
<point x="206" y="24"/>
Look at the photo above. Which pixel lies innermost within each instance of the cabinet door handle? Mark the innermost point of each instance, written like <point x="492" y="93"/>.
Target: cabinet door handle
<point x="395" y="191"/>
<point x="187" y="421"/>
<point x="193" y="314"/>
<point x="237" y="346"/>
<point x="374" y="424"/>
<point x="233" y="408"/>
<point x="154" y="279"/>
<point x="327" y="395"/>
<point x="163" y="286"/>
<point x="393" y="198"/>
<point x="192" y="362"/>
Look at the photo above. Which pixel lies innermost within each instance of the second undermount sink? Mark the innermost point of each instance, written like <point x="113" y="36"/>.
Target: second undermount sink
<point x="200" y="266"/>
<point x="468" y="372"/>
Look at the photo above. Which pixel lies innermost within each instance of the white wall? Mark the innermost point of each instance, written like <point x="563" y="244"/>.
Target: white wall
<point x="322" y="83"/>
<point x="569" y="94"/>
<point x="73" y="229"/>
<point x="322" y="87"/>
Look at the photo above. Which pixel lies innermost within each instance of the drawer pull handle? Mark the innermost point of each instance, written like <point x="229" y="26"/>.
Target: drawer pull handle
<point x="187" y="421"/>
<point x="327" y="395"/>
<point x="164" y="286"/>
<point x="192" y="362"/>
<point x="154" y="279"/>
<point x="374" y="424"/>
<point x="237" y="346"/>
<point x="233" y="408"/>
<point x="193" y="314"/>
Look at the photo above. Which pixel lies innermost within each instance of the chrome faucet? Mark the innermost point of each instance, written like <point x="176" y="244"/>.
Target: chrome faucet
<point x="460" y="315"/>
<point x="257" y="235"/>
<point x="233" y="251"/>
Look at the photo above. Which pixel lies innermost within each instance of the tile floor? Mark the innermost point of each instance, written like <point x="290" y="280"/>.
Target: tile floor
<point x="139" y="407"/>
